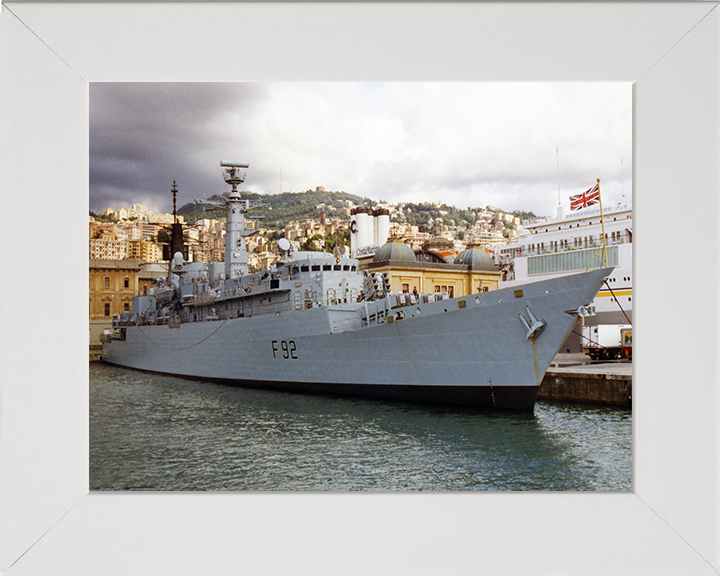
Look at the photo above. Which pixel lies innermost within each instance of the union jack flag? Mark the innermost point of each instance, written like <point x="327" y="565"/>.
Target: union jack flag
<point x="587" y="198"/>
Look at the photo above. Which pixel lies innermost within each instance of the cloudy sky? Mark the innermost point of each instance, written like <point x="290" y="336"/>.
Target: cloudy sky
<point x="467" y="144"/>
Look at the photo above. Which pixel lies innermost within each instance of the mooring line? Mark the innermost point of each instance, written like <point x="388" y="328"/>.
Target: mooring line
<point x="617" y="301"/>
<point x="186" y="347"/>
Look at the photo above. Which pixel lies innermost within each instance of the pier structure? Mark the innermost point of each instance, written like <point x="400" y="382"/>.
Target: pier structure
<point x="574" y="378"/>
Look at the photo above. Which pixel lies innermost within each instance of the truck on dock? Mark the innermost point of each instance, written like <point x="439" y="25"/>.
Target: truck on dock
<point x="608" y="341"/>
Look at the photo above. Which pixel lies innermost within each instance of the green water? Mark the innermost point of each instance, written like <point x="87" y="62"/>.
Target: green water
<point x="150" y="432"/>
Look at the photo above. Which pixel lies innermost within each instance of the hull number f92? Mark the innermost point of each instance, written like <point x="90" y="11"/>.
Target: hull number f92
<point x="287" y="349"/>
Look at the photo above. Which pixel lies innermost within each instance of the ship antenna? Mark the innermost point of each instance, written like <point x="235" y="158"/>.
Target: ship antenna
<point x="557" y="151"/>
<point x="558" y="210"/>
<point x="174" y="191"/>
<point x="236" y="256"/>
<point x="232" y="175"/>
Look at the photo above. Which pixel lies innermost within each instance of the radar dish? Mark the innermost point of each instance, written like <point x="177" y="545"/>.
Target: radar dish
<point x="284" y="244"/>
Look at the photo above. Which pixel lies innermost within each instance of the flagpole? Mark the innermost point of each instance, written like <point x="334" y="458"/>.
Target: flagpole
<point x="602" y="221"/>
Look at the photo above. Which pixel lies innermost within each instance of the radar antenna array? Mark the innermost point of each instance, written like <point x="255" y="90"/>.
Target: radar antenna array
<point x="232" y="173"/>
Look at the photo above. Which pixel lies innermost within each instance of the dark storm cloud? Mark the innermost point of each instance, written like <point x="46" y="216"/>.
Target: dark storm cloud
<point x="144" y="136"/>
<point x="512" y="145"/>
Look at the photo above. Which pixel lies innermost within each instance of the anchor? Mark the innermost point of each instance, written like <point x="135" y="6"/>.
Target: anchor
<point x="532" y="324"/>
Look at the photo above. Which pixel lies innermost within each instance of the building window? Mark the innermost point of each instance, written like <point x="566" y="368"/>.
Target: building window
<point x="144" y="290"/>
<point x="127" y="282"/>
<point x="107" y="281"/>
<point x="126" y="307"/>
<point x="107" y="308"/>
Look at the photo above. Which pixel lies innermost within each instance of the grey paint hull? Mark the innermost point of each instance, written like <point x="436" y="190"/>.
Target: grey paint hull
<point x="472" y="351"/>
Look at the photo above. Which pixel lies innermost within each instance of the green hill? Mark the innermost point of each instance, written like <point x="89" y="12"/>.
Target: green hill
<point x="285" y="207"/>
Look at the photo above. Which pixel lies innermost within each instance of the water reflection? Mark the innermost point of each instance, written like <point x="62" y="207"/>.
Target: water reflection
<point x="150" y="432"/>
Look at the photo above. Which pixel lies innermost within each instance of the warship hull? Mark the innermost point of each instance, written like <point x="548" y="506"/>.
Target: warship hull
<point x="490" y="349"/>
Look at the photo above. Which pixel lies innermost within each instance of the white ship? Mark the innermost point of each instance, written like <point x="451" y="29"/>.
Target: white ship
<point x="316" y="323"/>
<point x="572" y="243"/>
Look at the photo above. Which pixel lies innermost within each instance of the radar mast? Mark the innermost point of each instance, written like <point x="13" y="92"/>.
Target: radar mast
<point x="236" y="254"/>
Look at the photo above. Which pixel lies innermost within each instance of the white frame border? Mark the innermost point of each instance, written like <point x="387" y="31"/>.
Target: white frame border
<point x="48" y="521"/>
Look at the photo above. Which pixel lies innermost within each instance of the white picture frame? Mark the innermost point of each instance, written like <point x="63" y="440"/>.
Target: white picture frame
<point x="49" y="523"/>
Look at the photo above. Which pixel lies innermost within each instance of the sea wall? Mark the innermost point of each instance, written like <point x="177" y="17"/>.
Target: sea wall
<point x="576" y="385"/>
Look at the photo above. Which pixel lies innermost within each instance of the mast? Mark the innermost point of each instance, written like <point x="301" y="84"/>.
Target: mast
<point x="602" y="222"/>
<point x="557" y="151"/>
<point x="559" y="208"/>
<point x="236" y="254"/>
<point x="177" y="242"/>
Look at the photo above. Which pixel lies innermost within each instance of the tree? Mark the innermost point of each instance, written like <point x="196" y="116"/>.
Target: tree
<point x="313" y="244"/>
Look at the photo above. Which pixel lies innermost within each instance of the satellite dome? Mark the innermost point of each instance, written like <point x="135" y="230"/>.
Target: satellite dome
<point x="477" y="259"/>
<point x="395" y="250"/>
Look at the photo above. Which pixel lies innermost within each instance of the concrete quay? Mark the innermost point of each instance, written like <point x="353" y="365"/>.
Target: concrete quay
<point x="575" y="378"/>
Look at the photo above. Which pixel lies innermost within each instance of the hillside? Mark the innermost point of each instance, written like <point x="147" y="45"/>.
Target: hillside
<point x="287" y="207"/>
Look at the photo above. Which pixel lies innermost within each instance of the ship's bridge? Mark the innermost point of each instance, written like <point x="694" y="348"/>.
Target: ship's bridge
<point x="303" y="262"/>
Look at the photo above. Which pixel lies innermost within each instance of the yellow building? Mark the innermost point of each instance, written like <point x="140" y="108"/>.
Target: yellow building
<point x="113" y="283"/>
<point x="144" y="250"/>
<point x="473" y="271"/>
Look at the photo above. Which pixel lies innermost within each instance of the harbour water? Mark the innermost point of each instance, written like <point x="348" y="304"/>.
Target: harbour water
<point x="156" y="433"/>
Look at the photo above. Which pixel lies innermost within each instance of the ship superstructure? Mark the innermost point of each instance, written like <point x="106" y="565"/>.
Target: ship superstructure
<point x="315" y="323"/>
<point x="572" y="243"/>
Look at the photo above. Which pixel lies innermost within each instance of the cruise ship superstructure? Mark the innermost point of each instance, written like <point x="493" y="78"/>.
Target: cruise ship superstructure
<point x="315" y="323"/>
<point x="572" y="243"/>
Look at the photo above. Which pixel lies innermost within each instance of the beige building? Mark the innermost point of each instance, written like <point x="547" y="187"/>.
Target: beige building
<point x="144" y="250"/>
<point x="108" y="249"/>
<point x="113" y="283"/>
<point x="473" y="271"/>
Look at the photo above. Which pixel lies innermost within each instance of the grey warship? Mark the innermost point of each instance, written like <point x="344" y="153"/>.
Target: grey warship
<point x="315" y="323"/>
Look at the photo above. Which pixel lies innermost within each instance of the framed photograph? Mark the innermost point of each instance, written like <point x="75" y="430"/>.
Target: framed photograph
<point x="48" y="519"/>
